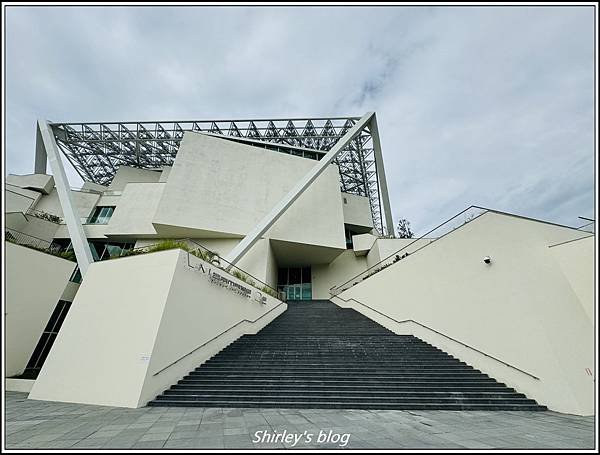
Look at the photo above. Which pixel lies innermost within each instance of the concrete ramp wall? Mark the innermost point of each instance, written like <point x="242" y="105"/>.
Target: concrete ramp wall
<point x="140" y="323"/>
<point x="520" y="319"/>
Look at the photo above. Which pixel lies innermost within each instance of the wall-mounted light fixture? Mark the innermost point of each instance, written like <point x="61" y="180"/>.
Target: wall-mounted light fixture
<point x="487" y="260"/>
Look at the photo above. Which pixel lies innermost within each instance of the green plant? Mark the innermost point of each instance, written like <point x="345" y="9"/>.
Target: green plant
<point x="205" y="255"/>
<point x="163" y="245"/>
<point x="131" y="252"/>
<point x="69" y="255"/>
<point x="46" y="216"/>
<point x="242" y="276"/>
<point x="168" y="244"/>
<point x="270" y="291"/>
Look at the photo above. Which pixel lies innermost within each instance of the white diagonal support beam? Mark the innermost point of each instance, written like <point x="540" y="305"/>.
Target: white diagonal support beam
<point x="76" y="232"/>
<point x="382" y="181"/>
<point x="253" y="236"/>
<point x="40" y="153"/>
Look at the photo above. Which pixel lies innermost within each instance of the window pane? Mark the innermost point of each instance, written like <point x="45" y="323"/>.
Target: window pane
<point x="306" y="275"/>
<point x="33" y="361"/>
<point x="53" y="318"/>
<point x="113" y="250"/>
<point x="290" y="292"/>
<point x="101" y="215"/>
<point x="46" y="350"/>
<point x="306" y="291"/>
<point x="295" y="275"/>
<point x="63" y="315"/>
<point x="282" y="276"/>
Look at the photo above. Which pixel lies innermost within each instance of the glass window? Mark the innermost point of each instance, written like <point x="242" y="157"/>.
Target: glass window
<point x="295" y="282"/>
<point x="306" y="275"/>
<point x="47" y="339"/>
<point x="76" y="276"/>
<point x="282" y="276"/>
<point x="96" y="249"/>
<point x="306" y="291"/>
<point x="295" y="277"/>
<point x="349" y="235"/>
<point x="101" y="215"/>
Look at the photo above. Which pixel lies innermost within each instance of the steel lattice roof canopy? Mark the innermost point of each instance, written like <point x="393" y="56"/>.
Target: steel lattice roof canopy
<point x="96" y="150"/>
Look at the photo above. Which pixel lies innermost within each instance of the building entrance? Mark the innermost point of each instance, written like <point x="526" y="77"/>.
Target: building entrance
<point x="296" y="282"/>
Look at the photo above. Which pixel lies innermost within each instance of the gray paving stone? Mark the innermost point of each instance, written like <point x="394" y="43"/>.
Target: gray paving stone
<point x="148" y="445"/>
<point x="91" y="443"/>
<point x="155" y="437"/>
<point x="161" y="428"/>
<point x="237" y="442"/>
<point x="119" y="444"/>
<point x="183" y="435"/>
<point x="235" y="431"/>
<point x="198" y="443"/>
<point x="32" y="424"/>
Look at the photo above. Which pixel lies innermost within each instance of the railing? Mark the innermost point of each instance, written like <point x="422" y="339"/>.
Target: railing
<point x="217" y="336"/>
<point x="442" y="334"/>
<point x="196" y="249"/>
<point x="426" y="239"/>
<point x="85" y="220"/>
<point x="587" y="225"/>
<point x="99" y="220"/>
<point x="29" y="241"/>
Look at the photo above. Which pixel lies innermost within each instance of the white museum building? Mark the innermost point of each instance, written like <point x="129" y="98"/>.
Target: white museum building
<point x="242" y="263"/>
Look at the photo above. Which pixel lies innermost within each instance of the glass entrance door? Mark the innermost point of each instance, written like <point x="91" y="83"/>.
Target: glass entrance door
<point x="296" y="282"/>
<point x="294" y="292"/>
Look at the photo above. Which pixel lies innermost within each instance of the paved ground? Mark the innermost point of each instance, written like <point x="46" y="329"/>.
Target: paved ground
<point x="40" y="424"/>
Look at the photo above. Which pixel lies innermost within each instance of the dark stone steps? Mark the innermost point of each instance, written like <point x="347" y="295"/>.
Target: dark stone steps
<point x="344" y="393"/>
<point x="329" y="364"/>
<point x="371" y="398"/>
<point x="282" y="404"/>
<point x="341" y="374"/>
<point x="317" y="355"/>
<point x="353" y="383"/>
<point x="342" y="388"/>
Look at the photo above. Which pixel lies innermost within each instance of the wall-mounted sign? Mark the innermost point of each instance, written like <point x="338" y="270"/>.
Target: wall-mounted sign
<point x="225" y="282"/>
<point x="220" y="279"/>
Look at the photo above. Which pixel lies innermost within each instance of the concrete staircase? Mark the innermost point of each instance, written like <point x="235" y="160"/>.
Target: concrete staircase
<point x="318" y="355"/>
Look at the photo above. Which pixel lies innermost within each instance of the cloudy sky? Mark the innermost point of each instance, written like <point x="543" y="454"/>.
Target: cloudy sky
<point x="480" y="105"/>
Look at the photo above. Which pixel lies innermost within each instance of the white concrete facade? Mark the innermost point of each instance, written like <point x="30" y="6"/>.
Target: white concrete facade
<point x="150" y="329"/>
<point x="526" y="319"/>
<point x="529" y="308"/>
<point x="219" y="188"/>
<point x="34" y="283"/>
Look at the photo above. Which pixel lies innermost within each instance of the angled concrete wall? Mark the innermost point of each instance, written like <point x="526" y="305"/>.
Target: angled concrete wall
<point x="521" y="309"/>
<point x="20" y="199"/>
<point x="84" y="203"/>
<point x="42" y="183"/>
<point x="219" y="188"/>
<point x="126" y="174"/>
<point x="576" y="260"/>
<point x="258" y="262"/>
<point x="324" y="276"/>
<point x="357" y="210"/>
<point x="196" y="312"/>
<point x="135" y="210"/>
<point x="148" y="312"/>
<point x="35" y="282"/>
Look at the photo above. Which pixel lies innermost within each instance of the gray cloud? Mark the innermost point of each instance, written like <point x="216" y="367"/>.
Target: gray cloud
<point x="487" y="105"/>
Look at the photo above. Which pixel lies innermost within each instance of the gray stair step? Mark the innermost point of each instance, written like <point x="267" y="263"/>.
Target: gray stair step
<point x="317" y="355"/>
